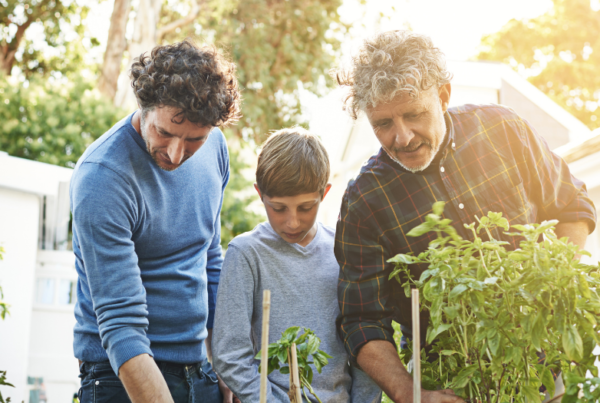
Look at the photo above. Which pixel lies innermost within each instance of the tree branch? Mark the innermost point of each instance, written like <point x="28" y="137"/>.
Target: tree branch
<point x="161" y="32"/>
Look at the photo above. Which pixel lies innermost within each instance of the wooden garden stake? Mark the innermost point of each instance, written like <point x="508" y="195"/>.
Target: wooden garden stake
<point x="416" y="332"/>
<point x="294" y="394"/>
<point x="264" y="357"/>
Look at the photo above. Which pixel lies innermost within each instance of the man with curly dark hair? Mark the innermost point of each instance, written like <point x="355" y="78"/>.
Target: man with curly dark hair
<point x="146" y="200"/>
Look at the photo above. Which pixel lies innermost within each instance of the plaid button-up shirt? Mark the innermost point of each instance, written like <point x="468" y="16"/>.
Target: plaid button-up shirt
<point x="491" y="160"/>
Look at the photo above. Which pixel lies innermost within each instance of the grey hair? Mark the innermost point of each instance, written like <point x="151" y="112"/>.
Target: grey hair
<point x="390" y="64"/>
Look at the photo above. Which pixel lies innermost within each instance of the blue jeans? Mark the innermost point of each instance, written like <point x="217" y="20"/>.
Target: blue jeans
<point x="192" y="383"/>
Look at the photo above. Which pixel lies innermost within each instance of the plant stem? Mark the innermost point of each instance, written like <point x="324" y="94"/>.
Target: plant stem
<point x="486" y="384"/>
<point x="500" y="385"/>
<point x="305" y="382"/>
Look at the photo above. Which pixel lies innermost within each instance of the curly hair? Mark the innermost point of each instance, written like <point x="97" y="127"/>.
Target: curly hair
<point x="198" y="81"/>
<point x="389" y="64"/>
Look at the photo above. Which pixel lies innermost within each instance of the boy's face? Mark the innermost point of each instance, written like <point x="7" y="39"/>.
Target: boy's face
<point x="293" y="217"/>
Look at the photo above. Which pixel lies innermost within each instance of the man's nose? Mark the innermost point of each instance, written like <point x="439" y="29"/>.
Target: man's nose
<point x="403" y="134"/>
<point x="176" y="151"/>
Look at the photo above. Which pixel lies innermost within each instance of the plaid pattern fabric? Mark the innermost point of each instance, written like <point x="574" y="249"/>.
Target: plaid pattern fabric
<point x="492" y="160"/>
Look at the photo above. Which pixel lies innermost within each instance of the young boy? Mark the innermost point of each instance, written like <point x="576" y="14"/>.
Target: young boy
<point x="291" y="255"/>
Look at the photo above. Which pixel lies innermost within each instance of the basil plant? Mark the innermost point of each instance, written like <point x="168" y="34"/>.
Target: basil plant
<point x="307" y="346"/>
<point x="505" y="322"/>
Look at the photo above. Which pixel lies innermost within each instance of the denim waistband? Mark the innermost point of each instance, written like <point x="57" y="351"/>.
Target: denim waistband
<point x="165" y="367"/>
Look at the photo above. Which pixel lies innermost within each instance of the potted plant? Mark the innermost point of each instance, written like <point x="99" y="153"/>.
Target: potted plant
<point x="504" y="323"/>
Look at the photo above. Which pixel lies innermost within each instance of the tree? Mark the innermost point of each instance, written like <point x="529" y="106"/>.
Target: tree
<point x="51" y="121"/>
<point x="560" y="51"/>
<point x="17" y="16"/>
<point x="115" y="47"/>
<point x="276" y="45"/>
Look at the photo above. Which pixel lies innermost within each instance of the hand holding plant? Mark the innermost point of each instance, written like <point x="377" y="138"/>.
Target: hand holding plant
<point x="496" y="313"/>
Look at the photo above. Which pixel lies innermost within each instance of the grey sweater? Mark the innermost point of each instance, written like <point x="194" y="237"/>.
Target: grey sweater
<point x="303" y="284"/>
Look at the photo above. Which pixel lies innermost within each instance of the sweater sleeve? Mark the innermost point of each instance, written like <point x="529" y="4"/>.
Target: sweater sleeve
<point x="215" y="252"/>
<point x="233" y="350"/>
<point x="104" y="218"/>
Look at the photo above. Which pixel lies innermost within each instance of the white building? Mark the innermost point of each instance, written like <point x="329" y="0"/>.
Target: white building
<point x="351" y="143"/>
<point x="38" y="278"/>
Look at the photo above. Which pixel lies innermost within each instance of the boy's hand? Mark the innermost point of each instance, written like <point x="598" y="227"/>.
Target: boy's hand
<point x="228" y="396"/>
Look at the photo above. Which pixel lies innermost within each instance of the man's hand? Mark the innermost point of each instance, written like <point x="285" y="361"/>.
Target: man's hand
<point x="379" y="359"/>
<point x="228" y="396"/>
<point x="440" y="396"/>
<point x="143" y="381"/>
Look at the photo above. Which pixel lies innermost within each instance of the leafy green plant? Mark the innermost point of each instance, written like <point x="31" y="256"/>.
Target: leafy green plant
<point x="307" y="344"/>
<point x="495" y="312"/>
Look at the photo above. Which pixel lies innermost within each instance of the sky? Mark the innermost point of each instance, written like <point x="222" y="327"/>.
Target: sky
<point x="456" y="26"/>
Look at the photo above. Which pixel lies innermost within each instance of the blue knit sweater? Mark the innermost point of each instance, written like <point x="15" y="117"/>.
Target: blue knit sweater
<point x="147" y="248"/>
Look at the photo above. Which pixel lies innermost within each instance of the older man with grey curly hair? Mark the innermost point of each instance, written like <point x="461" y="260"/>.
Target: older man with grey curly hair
<point x="476" y="158"/>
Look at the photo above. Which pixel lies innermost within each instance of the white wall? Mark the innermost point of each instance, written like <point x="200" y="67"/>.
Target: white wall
<point x="19" y="215"/>
<point x="51" y="343"/>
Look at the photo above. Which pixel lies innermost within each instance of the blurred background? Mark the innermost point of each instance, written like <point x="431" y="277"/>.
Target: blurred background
<point x="64" y="82"/>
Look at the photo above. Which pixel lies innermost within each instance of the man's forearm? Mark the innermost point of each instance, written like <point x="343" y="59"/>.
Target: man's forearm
<point x="143" y="381"/>
<point x="577" y="232"/>
<point x="379" y="359"/>
<point x="208" y="343"/>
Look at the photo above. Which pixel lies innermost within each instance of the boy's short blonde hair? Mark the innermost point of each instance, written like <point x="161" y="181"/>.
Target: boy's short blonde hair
<point x="292" y="162"/>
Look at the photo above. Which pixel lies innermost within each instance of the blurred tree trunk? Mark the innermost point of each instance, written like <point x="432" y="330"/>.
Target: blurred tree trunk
<point x="147" y="35"/>
<point x="115" y="47"/>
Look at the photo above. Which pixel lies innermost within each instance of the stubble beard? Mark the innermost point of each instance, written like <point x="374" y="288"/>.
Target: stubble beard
<point x="153" y="153"/>
<point x="424" y="143"/>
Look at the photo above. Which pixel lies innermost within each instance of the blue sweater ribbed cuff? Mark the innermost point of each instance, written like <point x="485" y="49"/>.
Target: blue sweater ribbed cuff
<point x="125" y="343"/>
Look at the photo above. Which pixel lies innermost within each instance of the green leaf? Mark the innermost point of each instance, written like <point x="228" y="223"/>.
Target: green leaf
<point x="519" y="256"/>
<point x="439" y="330"/>
<point x="548" y="380"/>
<point x="282" y="355"/>
<point x="490" y="280"/>
<point x="573" y="344"/>
<point x="462" y="379"/>
<point x="420" y="229"/>
<point x="402" y="258"/>
<point x="438" y="208"/>
<point x="532" y="393"/>
<point x="291" y="333"/>
<point x="456" y="291"/>
<point x="538" y="331"/>
<point x="559" y="316"/>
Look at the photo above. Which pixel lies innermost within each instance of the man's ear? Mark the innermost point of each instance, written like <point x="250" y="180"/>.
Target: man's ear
<point x="326" y="191"/>
<point x="258" y="191"/>
<point x="444" y="93"/>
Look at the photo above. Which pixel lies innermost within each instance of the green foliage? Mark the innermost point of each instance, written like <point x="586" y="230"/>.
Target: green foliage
<point x="493" y="310"/>
<point x="52" y="122"/>
<point x="275" y="45"/>
<point x="307" y="345"/>
<point x="236" y="217"/>
<point x="63" y="30"/>
<point x="4" y="383"/>
<point x="563" y="43"/>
